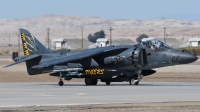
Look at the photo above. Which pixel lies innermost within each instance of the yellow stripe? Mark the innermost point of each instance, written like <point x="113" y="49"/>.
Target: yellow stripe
<point x="26" y="53"/>
<point x="23" y="36"/>
<point x="25" y="45"/>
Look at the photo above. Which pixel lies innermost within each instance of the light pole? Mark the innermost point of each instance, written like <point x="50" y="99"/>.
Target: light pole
<point x="164" y="35"/>
<point x="111" y="35"/>
<point x="82" y="37"/>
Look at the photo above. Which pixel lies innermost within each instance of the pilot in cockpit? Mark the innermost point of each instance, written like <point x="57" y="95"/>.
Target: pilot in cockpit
<point x="154" y="44"/>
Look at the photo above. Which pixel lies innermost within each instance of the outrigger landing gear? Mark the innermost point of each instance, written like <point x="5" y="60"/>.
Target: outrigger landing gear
<point x="107" y="83"/>
<point x="60" y="83"/>
<point x="135" y="81"/>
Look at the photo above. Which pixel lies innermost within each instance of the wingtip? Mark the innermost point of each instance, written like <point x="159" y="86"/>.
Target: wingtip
<point x="5" y="66"/>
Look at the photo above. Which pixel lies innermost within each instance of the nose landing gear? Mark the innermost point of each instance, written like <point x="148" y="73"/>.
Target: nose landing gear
<point x="135" y="81"/>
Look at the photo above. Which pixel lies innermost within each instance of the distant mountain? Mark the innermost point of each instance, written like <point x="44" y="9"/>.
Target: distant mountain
<point x="54" y="21"/>
<point x="192" y="17"/>
<point x="70" y="27"/>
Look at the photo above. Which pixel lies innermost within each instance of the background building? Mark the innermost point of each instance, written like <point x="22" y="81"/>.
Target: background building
<point x="60" y="43"/>
<point x="194" y="41"/>
<point x="101" y="42"/>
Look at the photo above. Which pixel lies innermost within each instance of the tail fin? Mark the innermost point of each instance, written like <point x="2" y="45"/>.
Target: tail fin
<point x="31" y="45"/>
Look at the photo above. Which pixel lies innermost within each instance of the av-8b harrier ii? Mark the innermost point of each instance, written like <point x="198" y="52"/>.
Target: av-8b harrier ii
<point x="109" y="64"/>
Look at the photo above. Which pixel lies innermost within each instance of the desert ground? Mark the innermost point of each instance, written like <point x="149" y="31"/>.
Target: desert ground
<point x="128" y="107"/>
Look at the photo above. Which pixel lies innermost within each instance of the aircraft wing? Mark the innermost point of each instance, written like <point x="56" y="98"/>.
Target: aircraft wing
<point x="78" y="56"/>
<point x="23" y="60"/>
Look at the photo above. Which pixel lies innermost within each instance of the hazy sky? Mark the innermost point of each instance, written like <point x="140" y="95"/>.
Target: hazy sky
<point x="111" y="9"/>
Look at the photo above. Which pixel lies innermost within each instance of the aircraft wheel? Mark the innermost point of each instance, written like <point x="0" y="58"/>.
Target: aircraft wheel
<point x="107" y="83"/>
<point x="133" y="82"/>
<point x="60" y="83"/>
<point x="89" y="81"/>
<point x="94" y="81"/>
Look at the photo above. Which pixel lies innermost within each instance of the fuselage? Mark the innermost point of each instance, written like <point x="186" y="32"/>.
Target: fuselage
<point x="130" y="58"/>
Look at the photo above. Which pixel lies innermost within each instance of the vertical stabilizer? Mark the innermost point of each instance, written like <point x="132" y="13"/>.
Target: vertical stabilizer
<point x="31" y="45"/>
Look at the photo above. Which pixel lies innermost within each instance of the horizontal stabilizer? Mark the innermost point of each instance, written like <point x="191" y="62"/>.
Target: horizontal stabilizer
<point x="23" y="60"/>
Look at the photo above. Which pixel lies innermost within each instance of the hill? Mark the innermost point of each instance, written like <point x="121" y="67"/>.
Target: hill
<point x="70" y="27"/>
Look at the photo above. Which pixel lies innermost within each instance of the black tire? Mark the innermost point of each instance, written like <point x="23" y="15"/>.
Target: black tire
<point x="94" y="81"/>
<point x="107" y="83"/>
<point x="136" y="83"/>
<point x="89" y="81"/>
<point x="60" y="83"/>
<point x="133" y="82"/>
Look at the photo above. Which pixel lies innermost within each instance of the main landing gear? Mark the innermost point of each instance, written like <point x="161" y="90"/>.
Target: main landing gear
<point x="135" y="81"/>
<point x="89" y="81"/>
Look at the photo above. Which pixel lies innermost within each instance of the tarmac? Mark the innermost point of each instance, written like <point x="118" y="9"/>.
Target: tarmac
<point x="77" y="93"/>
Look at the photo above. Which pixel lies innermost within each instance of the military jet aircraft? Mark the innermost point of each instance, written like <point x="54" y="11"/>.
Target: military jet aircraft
<point x="109" y="64"/>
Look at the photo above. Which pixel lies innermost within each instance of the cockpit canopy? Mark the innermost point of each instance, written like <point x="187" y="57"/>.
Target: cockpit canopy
<point x="154" y="44"/>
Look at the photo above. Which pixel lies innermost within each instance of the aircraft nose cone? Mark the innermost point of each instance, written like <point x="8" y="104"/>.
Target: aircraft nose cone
<point x="187" y="58"/>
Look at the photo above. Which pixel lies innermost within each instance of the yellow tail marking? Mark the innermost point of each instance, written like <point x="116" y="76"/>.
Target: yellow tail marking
<point x="23" y="37"/>
<point x="25" y="45"/>
<point x="26" y="53"/>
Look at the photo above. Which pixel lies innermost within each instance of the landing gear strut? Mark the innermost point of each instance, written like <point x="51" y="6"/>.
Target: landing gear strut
<point x="60" y="83"/>
<point x="135" y="81"/>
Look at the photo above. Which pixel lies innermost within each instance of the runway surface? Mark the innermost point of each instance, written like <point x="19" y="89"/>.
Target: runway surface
<point x="76" y="93"/>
